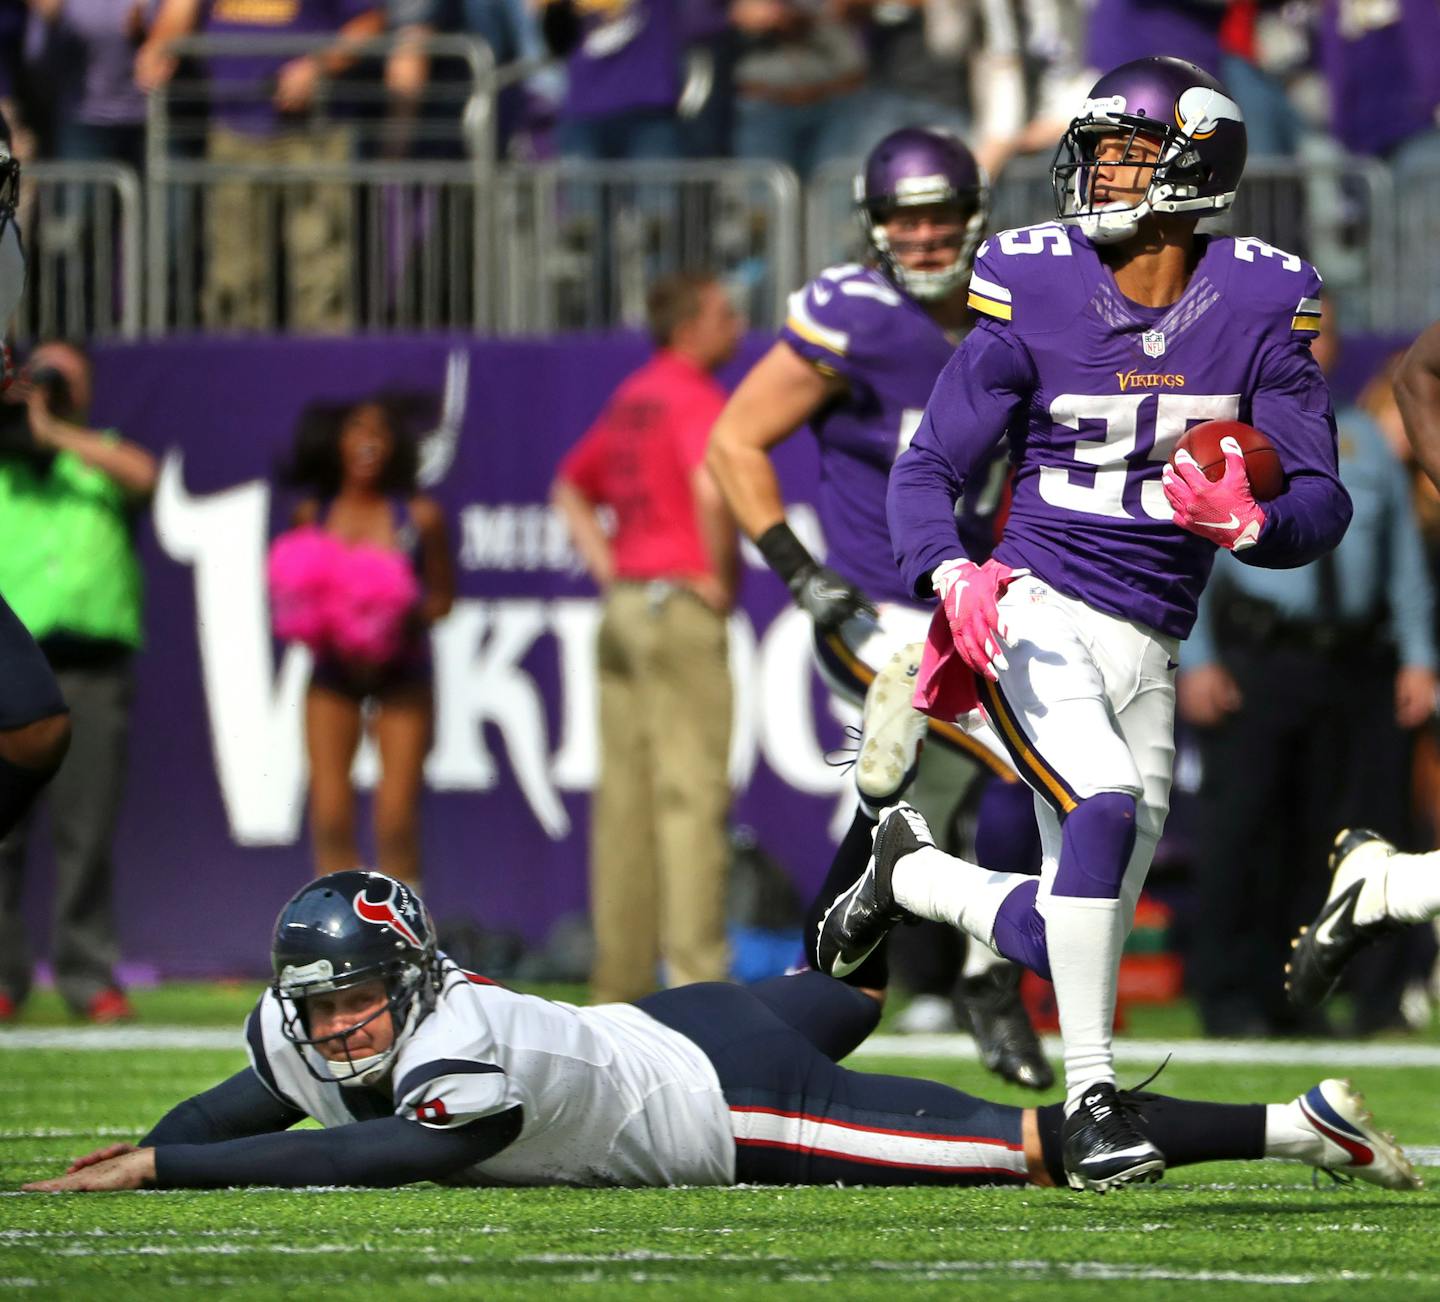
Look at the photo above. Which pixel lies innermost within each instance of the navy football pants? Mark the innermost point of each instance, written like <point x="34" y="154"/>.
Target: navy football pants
<point x="798" y="1118"/>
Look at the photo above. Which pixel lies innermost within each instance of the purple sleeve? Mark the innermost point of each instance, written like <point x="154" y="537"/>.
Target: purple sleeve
<point x="978" y="394"/>
<point x="1292" y="406"/>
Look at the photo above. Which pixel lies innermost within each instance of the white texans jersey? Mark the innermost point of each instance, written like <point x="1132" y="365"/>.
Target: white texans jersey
<point x="609" y="1095"/>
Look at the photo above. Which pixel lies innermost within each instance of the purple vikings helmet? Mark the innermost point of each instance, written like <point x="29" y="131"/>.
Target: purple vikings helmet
<point x="1200" y="130"/>
<point x="912" y="167"/>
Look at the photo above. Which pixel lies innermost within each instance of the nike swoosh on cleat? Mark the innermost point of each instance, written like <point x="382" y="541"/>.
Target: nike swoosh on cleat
<point x="1321" y="936"/>
<point x="1232" y="523"/>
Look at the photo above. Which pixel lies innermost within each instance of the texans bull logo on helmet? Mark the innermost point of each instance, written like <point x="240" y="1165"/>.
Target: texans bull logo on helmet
<point x="386" y="914"/>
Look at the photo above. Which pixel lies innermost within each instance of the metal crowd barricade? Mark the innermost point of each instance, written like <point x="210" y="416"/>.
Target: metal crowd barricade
<point x="80" y="223"/>
<point x="356" y="215"/>
<point x="1338" y="212"/>
<point x="580" y="242"/>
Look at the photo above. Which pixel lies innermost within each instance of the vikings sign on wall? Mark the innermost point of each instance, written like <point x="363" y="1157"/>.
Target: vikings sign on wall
<point x="213" y="824"/>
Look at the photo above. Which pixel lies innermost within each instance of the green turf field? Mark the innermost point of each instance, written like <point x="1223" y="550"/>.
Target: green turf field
<point x="1225" y="1231"/>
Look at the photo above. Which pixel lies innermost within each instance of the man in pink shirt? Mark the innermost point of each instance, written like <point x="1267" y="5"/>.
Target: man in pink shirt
<point x="668" y="569"/>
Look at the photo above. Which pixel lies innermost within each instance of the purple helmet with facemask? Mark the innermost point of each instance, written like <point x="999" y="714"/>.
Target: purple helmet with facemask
<point x="1200" y="130"/>
<point x="912" y="167"/>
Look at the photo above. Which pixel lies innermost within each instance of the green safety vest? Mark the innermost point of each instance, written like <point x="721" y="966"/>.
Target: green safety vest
<point x="67" y="553"/>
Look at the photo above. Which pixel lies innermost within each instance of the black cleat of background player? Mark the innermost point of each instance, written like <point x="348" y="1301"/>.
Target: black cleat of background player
<point x="990" y="1006"/>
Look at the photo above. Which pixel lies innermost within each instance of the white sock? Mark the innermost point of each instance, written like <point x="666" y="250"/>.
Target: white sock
<point x="1407" y="889"/>
<point x="946" y="888"/>
<point x="1084" y="938"/>
<point x="1287" y="1134"/>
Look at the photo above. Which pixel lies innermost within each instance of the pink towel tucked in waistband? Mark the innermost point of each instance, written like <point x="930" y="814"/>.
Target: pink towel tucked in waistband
<point x="945" y="688"/>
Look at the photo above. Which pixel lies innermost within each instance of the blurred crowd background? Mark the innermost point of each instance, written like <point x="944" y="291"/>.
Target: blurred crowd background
<point x="530" y="165"/>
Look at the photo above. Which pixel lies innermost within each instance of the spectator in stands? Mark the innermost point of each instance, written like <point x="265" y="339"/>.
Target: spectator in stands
<point x="357" y="464"/>
<point x="625" y="60"/>
<point x="266" y="110"/>
<point x="1384" y="90"/>
<point x="1283" y="768"/>
<point x="412" y="72"/>
<point x="658" y="847"/>
<point x="69" y="499"/>
<point x="917" y="67"/>
<point x="82" y="52"/>
<point x="799" y="83"/>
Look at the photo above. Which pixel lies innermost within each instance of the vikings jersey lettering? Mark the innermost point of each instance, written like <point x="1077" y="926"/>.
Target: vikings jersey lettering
<point x="852" y="322"/>
<point x="609" y="1096"/>
<point x="1094" y="391"/>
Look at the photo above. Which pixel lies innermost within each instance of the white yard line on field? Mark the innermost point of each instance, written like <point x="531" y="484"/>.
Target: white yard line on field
<point x="1332" y="1055"/>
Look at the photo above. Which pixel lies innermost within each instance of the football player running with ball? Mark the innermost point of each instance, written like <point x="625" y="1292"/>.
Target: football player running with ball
<point x="1103" y="338"/>
<point x="418" y="1070"/>
<point x="856" y="361"/>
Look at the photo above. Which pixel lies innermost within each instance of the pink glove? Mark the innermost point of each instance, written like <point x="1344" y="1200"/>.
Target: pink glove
<point x="1221" y="510"/>
<point x="969" y="594"/>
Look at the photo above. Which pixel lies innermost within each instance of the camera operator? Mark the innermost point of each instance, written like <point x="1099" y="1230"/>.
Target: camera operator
<point x="69" y="500"/>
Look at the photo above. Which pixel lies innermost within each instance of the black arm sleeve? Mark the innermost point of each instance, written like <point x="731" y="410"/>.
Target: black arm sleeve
<point x="389" y="1151"/>
<point x="235" y="1108"/>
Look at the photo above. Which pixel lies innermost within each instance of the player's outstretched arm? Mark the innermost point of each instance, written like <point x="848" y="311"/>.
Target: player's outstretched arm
<point x="1417" y="390"/>
<point x="378" y="1154"/>
<point x="240" y="1105"/>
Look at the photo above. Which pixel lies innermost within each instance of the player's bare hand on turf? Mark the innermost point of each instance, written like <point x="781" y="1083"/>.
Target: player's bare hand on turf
<point x="1223" y="510"/>
<point x="131" y="1170"/>
<point x="99" y="1155"/>
<point x="971" y="595"/>
<point x="1207" y="695"/>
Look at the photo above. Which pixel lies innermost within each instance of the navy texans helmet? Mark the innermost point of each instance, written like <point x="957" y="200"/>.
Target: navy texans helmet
<point x="915" y="166"/>
<point x="1200" y="131"/>
<point x="342" y="931"/>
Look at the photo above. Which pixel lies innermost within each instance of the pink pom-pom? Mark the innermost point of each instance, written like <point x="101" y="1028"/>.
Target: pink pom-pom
<point x="303" y="567"/>
<point x="375" y="593"/>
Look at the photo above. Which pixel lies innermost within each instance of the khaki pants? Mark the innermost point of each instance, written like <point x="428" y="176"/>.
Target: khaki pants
<point x="659" y="852"/>
<point x="241" y="289"/>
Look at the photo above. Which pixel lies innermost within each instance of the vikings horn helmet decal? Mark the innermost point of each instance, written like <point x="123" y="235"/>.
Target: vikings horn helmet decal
<point x="912" y="167"/>
<point x="1200" y="131"/>
<point x="342" y="931"/>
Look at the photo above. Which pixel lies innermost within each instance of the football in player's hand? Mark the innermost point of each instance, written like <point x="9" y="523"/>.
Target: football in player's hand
<point x="1262" y="462"/>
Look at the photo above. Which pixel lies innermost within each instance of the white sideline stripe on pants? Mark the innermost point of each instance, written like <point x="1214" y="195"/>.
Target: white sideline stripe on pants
<point x="874" y="1146"/>
<point x="1333" y="1055"/>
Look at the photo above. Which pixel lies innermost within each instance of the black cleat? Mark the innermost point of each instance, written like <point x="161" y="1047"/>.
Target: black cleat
<point x="1104" y="1149"/>
<point x="1322" y="949"/>
<point x="992" y="1009"/>
<point x="856" y="923"/>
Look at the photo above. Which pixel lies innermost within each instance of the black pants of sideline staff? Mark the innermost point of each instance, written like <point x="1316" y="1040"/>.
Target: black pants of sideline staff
<point x="1314" y="748"/>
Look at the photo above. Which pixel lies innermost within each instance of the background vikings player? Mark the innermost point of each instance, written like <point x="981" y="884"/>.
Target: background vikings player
<point x="856" y="361"/>
<point x="34" y="722"/>
<point x="1103" y="338"/>
<point x="420" y="1071"/>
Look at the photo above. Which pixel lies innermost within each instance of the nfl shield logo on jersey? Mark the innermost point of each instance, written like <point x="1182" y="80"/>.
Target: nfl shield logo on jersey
<point x="1153" y="342"/>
